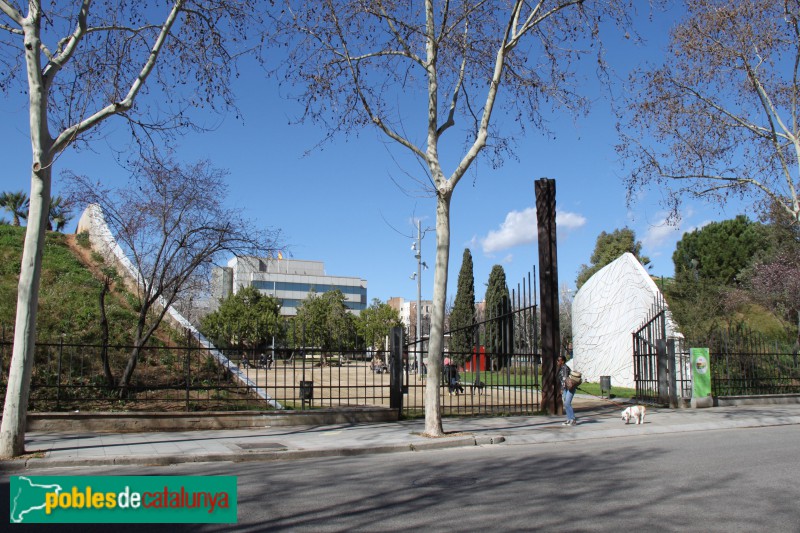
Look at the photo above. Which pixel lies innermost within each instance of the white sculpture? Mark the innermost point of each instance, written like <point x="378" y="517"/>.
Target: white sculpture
<point x="606" y="311"/>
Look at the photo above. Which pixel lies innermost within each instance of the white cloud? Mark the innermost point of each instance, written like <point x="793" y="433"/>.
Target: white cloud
<point x="658" y="234"/>
<point x="567" y="220"/>
<point x="519" y="227"/>
<point x="699" y="226"/>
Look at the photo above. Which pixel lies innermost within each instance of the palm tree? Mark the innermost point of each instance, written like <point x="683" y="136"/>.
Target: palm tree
<point x="60" y="213"/>
<point x="15" y="203"/>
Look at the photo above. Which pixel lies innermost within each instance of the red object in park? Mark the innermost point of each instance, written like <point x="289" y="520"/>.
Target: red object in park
<point x="477" y="361"/>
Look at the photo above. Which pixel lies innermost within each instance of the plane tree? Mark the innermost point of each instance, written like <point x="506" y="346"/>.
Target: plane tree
<point x="718" y="118"/>
<point x="77" y="65"/>
<point x="444" y="80"/>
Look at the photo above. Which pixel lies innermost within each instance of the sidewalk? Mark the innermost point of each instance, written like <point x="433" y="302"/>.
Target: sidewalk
<point x="596" y="420"/>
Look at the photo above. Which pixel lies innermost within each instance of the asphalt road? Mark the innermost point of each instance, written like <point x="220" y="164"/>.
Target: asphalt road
<point x="725" y="480"/>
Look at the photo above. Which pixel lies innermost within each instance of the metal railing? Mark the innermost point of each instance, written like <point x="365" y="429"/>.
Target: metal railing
<point x="661" y="372"/>
<point x="746" y="363"/>
<point x="743" y="363"/>
<point x="70" y="376"/>
<point x="496" y="363"/>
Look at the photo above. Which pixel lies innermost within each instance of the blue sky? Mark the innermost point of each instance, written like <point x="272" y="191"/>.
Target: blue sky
<point x="342" y="204"/>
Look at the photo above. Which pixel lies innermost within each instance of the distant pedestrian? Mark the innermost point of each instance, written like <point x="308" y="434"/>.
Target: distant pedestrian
<point x="566" y="392"/>
<point x="451" y="377"/>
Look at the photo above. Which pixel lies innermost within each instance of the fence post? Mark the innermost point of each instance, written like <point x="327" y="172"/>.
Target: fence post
<point x="187" y="366"/>
<point x="673" y="376"/>
<point x="661" y="371"/>
<point x="396" y="369"/>
<point x="58" y="379"/>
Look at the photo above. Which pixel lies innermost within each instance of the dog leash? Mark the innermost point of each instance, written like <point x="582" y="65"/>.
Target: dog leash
<point x="601" y="398"/>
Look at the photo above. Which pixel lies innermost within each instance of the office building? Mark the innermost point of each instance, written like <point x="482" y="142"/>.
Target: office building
<point x="289" y="280"/>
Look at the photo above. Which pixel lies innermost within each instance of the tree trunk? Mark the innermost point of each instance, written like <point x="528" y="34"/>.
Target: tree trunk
<point x="142" y="336"/>
<point x="125" y="380"/>
<point x="104" y="334"/>
<point x="133" y="358"/>
<point x="15" y="410"/>
<point x="433" y="414"/>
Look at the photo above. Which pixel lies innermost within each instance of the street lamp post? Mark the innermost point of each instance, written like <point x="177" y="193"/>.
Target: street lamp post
<point x="417" y="249"/>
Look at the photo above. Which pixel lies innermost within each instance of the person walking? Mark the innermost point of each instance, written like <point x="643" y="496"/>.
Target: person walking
<point x="566" y="393"/>
<point x="450" y="376"/>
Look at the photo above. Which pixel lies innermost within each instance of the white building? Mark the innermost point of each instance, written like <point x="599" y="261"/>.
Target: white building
<point x="408" y="315"/>
<point x="606" y="311"/>
<point x="289" y="280"/>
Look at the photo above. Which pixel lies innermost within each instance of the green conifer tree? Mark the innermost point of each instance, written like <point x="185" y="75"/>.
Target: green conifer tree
<point x="499" y="326"/>
<point x="462" y="319"/>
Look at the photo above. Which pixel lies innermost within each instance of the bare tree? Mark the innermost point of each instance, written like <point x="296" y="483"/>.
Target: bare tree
<point x="719" y="118"/>
<point x="172" y="224"/>
<point x="81" y="63"/>
<point x="443" y="64"/>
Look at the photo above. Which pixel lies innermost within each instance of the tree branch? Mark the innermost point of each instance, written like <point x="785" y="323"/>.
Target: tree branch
<point x="355" y="73"/>
<point x="494" y="85"/>
<point x="402" y="40"/>
<point x="456" y="90"/>
<point x="12" y="13"/>
<point x="69" y="134"/>
<point x="754" y="128"/>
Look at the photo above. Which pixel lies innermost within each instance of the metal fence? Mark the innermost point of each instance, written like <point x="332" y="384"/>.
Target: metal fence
<point x="660" y="370"/>
<point x="69" y="377"/>
<point x="191" y="377"/>
<point x="743" y="363"/>
<point x="306" y="378"/>
<point x="495" y="363"/>
<point x="496" y="370"/>
<point x="746" y="363"/>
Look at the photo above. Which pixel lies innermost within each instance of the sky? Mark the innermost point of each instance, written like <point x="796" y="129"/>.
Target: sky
<point x="353" y="203"/>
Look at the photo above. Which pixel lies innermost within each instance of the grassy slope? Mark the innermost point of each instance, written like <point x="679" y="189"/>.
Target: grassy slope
<point x="69" y="293"/>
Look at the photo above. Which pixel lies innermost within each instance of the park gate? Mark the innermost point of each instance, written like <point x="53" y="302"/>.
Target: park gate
<point x="660" y="364"/>
<point x="496" y="362"/>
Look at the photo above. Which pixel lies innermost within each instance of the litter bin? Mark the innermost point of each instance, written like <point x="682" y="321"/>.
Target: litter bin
<point x="306" y="390"/>
<point x="605" y="386"/>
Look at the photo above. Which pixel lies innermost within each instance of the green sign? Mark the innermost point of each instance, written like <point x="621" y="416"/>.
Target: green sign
<point x="701" y="373"/>
<point x="123" y="499"/>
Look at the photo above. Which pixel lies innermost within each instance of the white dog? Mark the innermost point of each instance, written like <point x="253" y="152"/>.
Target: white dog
<point x="636" y="412"/>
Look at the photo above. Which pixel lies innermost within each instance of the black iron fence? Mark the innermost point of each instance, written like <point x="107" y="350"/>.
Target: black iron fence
<point x="308" y="378"/>
<point x="743" y="363"/>
<point x="746" y="363"/>
<point x="194" y="377"/>
<point x="660" y="372"/>
<point x="491" y="367"/>
<point x="68" y="377"/>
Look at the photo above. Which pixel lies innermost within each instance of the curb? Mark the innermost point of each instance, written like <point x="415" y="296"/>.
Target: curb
<point x="285" y="455"/>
